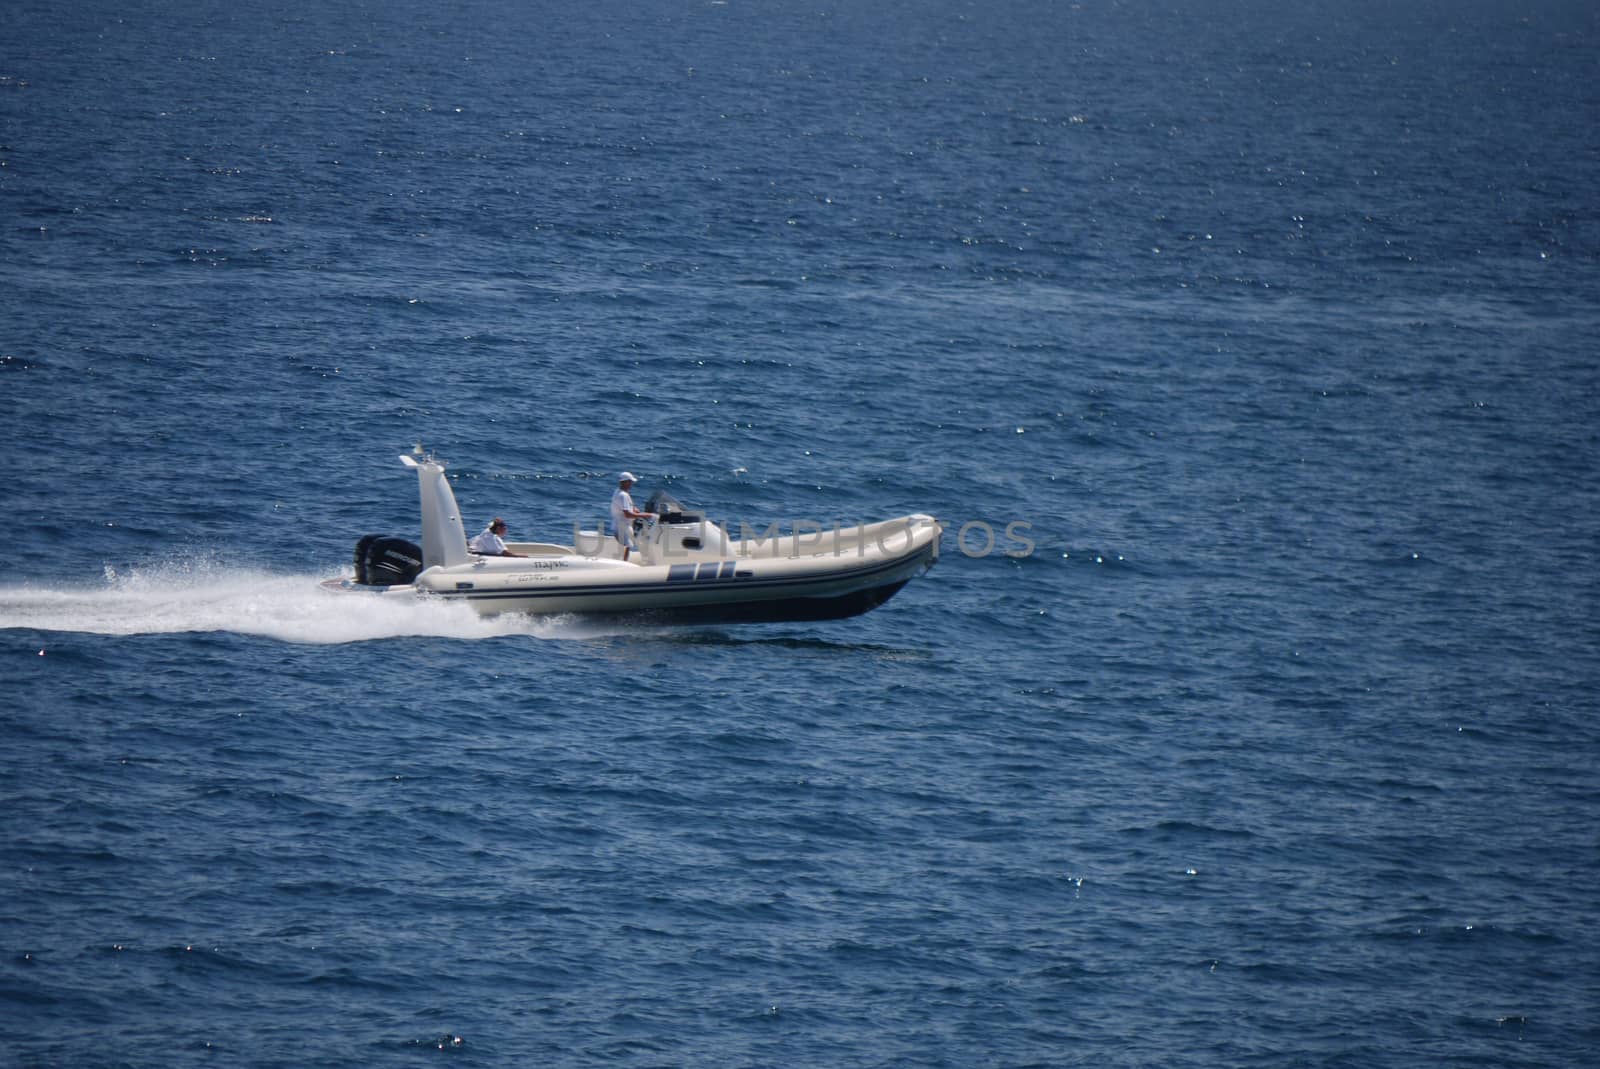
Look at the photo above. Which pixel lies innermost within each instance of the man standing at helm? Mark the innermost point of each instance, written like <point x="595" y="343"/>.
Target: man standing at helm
<point x="623" y="512"/>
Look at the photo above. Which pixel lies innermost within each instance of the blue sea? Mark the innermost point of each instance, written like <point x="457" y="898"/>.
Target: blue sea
<point x="1248" y="352"/>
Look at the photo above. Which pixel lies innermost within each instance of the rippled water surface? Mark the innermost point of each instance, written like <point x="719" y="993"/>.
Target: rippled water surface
<point x="1248" y="355"/>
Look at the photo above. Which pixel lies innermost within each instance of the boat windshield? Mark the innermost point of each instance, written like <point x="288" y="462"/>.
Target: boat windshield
<point x="669" y="508"/>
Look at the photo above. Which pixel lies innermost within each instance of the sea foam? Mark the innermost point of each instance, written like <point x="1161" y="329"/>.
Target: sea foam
<point x="198" y="595"/>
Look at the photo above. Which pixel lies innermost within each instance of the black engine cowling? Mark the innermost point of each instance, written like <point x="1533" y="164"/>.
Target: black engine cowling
<point x="382" y="560"/>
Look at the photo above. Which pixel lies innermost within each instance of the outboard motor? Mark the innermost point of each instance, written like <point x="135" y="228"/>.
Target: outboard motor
<point x="361" y="557"/>
<point x="382" y="560"/>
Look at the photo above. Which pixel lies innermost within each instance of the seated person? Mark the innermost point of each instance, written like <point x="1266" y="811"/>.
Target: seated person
<point x="489" y="543"/>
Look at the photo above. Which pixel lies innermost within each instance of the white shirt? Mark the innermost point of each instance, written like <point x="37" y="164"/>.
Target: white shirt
<point x="488" y="543"/>
<point x="621" y="505"/>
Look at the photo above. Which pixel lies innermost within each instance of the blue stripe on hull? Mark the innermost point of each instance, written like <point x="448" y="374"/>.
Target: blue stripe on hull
<point x="788" y="610"/>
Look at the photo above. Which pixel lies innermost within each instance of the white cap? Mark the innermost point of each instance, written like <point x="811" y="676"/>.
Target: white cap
<point x="626" y="477"/>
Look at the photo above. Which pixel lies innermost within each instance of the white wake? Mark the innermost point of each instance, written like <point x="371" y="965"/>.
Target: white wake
<point x="194" y="596"/>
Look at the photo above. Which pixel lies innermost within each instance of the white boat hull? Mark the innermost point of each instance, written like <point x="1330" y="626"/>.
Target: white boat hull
<point x="688" y="572"/>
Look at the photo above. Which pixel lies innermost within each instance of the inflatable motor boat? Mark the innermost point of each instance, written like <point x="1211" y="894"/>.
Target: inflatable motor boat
<point x="685" y="569"/>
